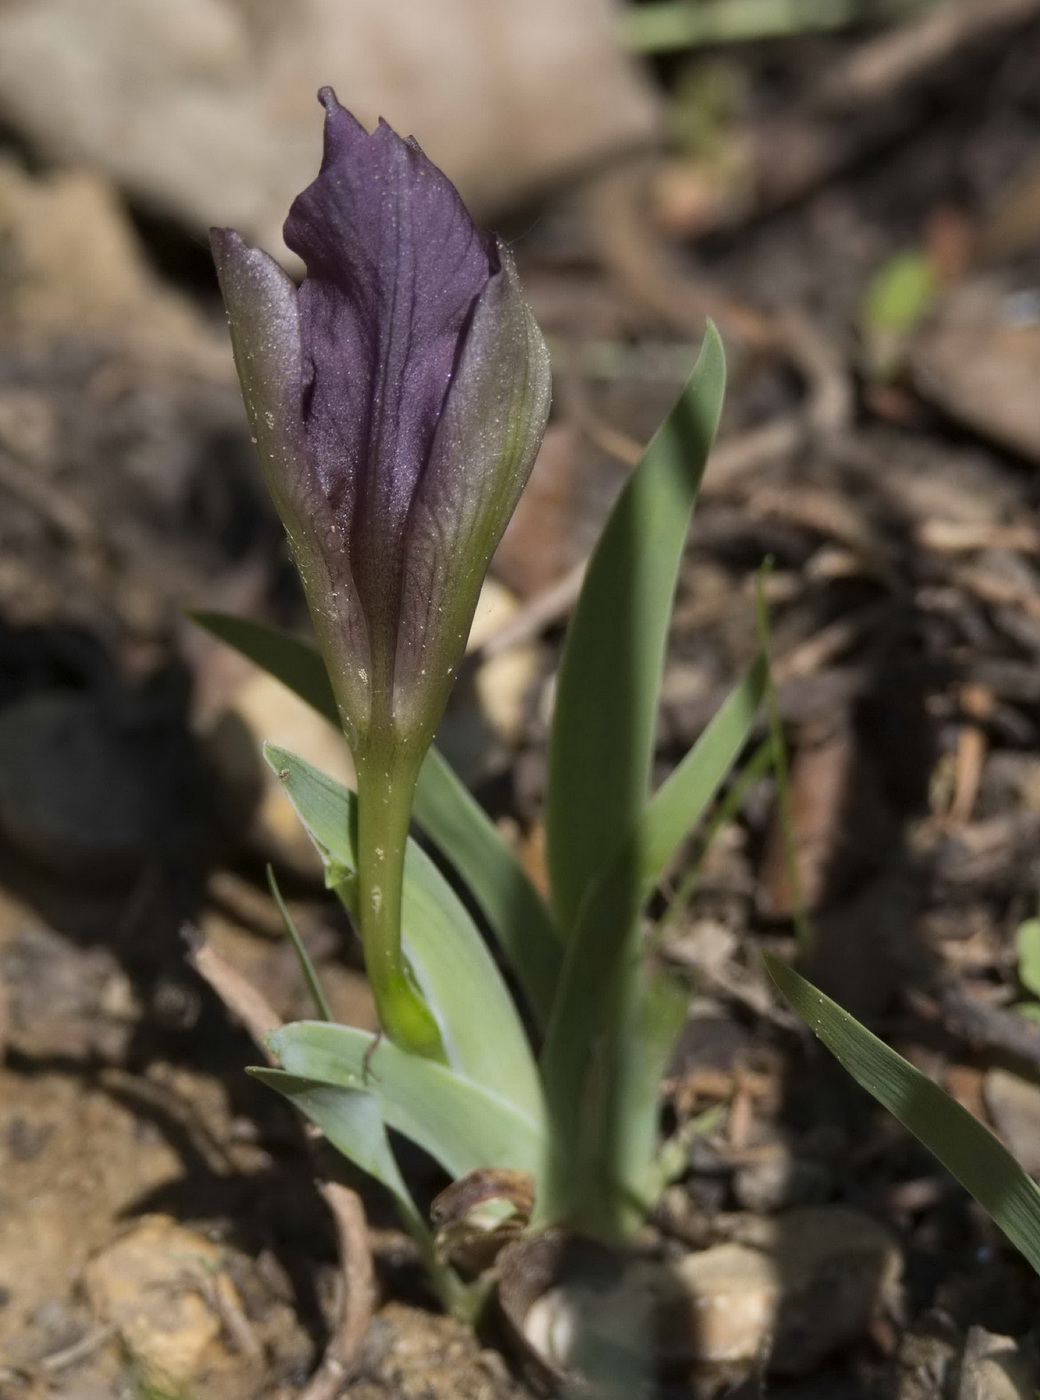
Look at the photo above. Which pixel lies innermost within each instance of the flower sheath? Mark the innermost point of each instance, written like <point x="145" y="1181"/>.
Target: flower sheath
<point x="397" y="400"/>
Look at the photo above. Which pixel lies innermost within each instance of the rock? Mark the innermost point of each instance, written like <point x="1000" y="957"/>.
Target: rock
<point x="162" y="1286"/>
<point x="798" y="1288"/>
<point x="74" y="268"/>
<point x="979" y="359"/>
<point x="732" y="1293"/>
<point x="205" y="109"/>
<point x="1014" y="1106"/>
<point x="265" y="711"/>
<point x="994" y="1368"/>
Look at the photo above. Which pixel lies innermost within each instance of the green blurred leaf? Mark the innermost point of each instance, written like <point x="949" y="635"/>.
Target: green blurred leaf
<point x="1027" y="946"/>
<point x="444" y="808"/>
<point x="605" y="719"/>
<point x="666" y="25"/>
<point x="482" y="1032"/>
<point x="967" y="1149"/>
<point x="898" y="296"/>
<point x="457" y="1122"/>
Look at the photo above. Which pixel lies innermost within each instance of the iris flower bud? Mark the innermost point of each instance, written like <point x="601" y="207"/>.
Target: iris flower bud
<point x="397" y="400"/>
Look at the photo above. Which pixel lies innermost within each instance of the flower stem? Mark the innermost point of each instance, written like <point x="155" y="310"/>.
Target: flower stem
<point x="385" y="787"/>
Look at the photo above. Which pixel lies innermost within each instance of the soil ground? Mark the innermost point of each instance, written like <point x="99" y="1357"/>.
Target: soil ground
<point x="886" y="464"/>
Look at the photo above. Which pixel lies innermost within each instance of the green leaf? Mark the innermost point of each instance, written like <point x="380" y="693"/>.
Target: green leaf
<point x="1027" y="946"/>
<point x="444" y="808"/>
<point x="596" y="1015"/>
<point x="967" y="1149"/>
<point x="310" y="972"/>
<point x="660" y="1016"/>
<point x="457" y="1122"/>
<point x="516" y="913"/>
<point x="483" y="1035"/>
<point x="350" y="1119"/>
<point x="603" y="731"/>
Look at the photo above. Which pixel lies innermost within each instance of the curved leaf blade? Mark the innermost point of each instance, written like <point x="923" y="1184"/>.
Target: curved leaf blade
<point x="458" y="1122"/>
<point x="483" y="1034"/>
<point x="968" y="1150"/>
<point x="457" y="824"/>
<point x="603" y="730"/>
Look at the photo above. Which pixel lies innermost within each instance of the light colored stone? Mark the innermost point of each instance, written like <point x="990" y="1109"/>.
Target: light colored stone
<point x="994" y="1368"/>
<point x="205" y="108"/>
<point x="978" y="357"/>
<point x="1014" y="1106"/>
<point x="73" y="268"/>
<point x="797" y="1288"/>
<point x="157" y="1285"/>
<point x="265" y="711"/>
<point x="733" y="1292"/>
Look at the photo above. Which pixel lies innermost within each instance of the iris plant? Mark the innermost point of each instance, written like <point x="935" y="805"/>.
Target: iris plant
<point x="397" y="400"/>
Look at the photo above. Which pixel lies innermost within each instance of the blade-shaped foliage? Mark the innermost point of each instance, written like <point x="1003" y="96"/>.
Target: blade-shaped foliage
<point x="517" y="915"/>
<point x="457" y="1122"/>
<point x="444" y="808"/>
<point x="351" y="1120"/>
<point x="310" y="972"/>
<point x="596" y="1014"/>
<point x="967" y="1149"/>
<point x="607" y="692"/>
<point x="482" y="1032"/>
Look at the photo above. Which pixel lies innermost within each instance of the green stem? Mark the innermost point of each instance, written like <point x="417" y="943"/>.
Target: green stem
<point x="386" y="786"/>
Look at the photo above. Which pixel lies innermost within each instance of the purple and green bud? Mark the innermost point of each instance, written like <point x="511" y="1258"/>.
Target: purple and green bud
<point x="397" y="400"/>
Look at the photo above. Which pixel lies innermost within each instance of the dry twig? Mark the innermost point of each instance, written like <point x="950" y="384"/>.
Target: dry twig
<point x="358" y="1293"/>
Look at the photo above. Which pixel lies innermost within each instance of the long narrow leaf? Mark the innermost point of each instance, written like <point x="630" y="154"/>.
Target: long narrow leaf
<point x="483" y="1034"/>
<point x="444" y="808"/>
<point x="607" y="693"/>
<point x="967" y="1149"/>
<point x="310" y="972"/>
<point x="517" y="915"/>
<point x="595" y="1013"/>
<point x="457" y="1122"/>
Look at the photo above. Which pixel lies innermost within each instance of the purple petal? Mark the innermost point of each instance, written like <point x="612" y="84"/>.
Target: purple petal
<point x="394" y="268"/>
<point x="263" y="313"/>
<point x="483" y="453"/>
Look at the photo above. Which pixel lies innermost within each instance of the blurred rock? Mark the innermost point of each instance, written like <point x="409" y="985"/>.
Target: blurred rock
<point x="978" y="358"/>
<point x="485" y="714"/>
<point x="254" y="803"/>
<point x="162" y="1286"/>
<point x="797" y="1289"/>
<point x="994" y="1368"/>
<point x="73" y="269"/>
<point x="1013" y="1104"/>
<point x="781" y="1179"/>
<point x="206" y="110"/>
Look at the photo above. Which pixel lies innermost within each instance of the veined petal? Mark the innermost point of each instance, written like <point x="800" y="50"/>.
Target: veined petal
<point x="263" y="314"/>
<point x="394" y="268"/>
<point x="483" y="452"/>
